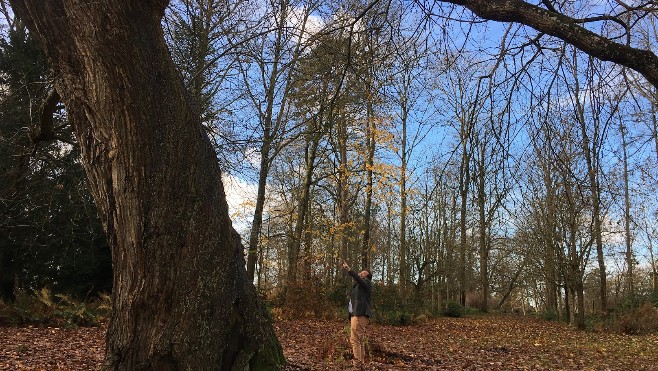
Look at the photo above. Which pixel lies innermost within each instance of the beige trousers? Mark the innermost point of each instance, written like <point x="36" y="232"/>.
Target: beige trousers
<point x="357" y="338"/>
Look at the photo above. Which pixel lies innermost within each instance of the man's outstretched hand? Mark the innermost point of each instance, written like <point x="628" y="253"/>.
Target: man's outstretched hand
<point x="345" y="266"/>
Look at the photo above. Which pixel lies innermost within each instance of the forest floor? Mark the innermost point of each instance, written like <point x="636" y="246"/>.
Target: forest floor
<point x="471" y="343"/>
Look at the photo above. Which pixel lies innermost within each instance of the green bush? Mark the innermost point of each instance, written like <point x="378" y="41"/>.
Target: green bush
<point x="453" y="309"/>
<point x="470" y="311"/>
<point x="391" y="316"/>
<point x="549" y="315"/>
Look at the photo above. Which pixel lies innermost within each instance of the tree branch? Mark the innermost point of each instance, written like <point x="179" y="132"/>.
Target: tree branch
<point x="568" y="29"/>
<point x="46" y="131"/>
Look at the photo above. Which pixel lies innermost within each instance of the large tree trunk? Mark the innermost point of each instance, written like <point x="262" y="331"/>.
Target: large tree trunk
<point x="181" y="299"/>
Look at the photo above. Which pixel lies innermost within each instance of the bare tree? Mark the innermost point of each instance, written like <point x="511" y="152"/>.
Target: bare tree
<point x="276" y="58"/>
<point x="591" y="147"/>
<point x="410" y="62"/>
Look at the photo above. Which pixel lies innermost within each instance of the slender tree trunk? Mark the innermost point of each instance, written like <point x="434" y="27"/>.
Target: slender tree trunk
<point x="369" y="163"/>
<point x="590" y="153"/>
<point x="181" y="299"/>
<point x="403" y="204"/>
<point x="512" y="284"/>
<point x="580" y="299"/>
<point x="451" y="260"/>
<point x="603" y="288"/>
<point x="550" y="242"/>
<point x="270" y="125"/>
<point x="482" y="238"/>
<point x="257" y="221"/>
<point x="654" y="120"/>
<point x="302" y="208"/>
<point x="343" y="185"/>
<point x="576" y="285"/>
<point x="464" y="183"/>
<point x="389" y="243"/>
<point x="627" y="216"/>
<point x="654" y="272"/>
<point x="654" y="133"/>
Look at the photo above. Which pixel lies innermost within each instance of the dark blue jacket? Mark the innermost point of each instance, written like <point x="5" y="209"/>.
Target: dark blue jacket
<point x="360" y="298"/>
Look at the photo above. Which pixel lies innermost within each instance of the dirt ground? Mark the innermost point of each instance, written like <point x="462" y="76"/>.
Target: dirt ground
<point x="472" y="343"/>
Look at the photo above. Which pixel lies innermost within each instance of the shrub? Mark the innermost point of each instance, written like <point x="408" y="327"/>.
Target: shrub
<point x="315" y="298"/>
<point x="392" y="317"/>
<point x="42" y="308"/>
<point x="453" y="309"/>
<point x="549" y="315"/>
<point x="5" y="314"/>
<point x="470" y="311"/>
<point x="421" y="318"/>
<point x="643" y="320"/>
<point x="392" y="308"/>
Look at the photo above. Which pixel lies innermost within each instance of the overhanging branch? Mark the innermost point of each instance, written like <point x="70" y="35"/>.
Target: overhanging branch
<point x="568" y="29"/>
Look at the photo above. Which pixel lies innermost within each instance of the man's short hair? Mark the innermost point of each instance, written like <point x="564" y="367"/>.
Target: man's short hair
<point x="369" y="273"/>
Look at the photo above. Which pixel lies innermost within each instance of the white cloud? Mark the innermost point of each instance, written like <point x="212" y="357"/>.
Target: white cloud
<point x="241" y="199"/>
<point x="313" y="25"/>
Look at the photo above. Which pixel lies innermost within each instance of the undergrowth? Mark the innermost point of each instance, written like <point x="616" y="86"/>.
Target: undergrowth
<point x="43" y="308"/>
<point x="636" y="321"/>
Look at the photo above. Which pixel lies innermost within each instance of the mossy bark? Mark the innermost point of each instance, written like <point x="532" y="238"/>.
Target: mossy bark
<point x="181" y="299"/>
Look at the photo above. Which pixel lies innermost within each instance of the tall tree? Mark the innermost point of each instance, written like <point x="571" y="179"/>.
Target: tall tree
<point x="316" y="86"/>
<point x="591" y="147"/>
<point x="180" y="298"/>
<point x="410" y="61"/>
<point x="547" y="218"/>
<point x="275" y="55"/>
<point x="371" y="97"/>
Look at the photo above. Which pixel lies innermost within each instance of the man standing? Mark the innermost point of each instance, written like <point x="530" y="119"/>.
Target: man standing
<point x="359" y="308"/>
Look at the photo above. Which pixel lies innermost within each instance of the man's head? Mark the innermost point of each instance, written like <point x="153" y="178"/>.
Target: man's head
<point x="366" y="274"/>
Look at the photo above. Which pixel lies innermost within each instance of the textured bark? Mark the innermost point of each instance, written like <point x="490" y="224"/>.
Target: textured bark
<point x="181" y="299"/>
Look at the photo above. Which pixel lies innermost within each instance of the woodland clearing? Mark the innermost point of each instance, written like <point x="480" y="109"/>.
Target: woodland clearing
<point x="484" y="342"/>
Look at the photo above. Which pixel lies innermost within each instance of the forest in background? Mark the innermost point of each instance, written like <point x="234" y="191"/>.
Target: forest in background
<point x="476" y="163"/>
